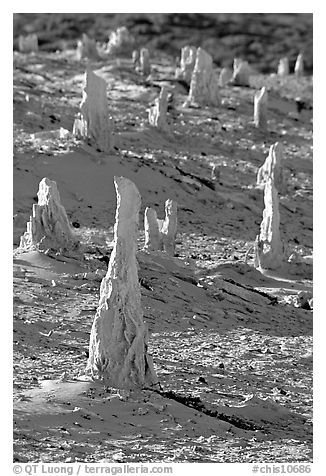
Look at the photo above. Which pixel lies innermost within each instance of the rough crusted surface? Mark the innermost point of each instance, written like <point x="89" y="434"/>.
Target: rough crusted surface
<point x="94" y="122"/>
<point x="261" y="108"/>
<point x="272" y="168"/>
<point x="204" y="81"/>
<point x="270" y="249"/>
<point x="49" y="227"/>
<point x="160" y="235"/>
<point x="118" y="343"/>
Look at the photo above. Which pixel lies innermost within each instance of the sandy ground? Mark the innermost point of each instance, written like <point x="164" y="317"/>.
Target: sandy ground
<point x="232" y="351"/>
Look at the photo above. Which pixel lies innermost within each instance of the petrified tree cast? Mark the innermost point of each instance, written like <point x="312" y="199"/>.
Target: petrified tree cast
<point x="49" y="227"/>
<point x="160" y="234"/>
<point x="94" y="122"/>
<point x="118" y="342"/>
<point x="269" y="249"/>
<point x="187" y="64"/>
<point x="260" y="108"/>
<point x="144" y="66"/>
<point x="204" y="89"/>
<point x="157" y="113"/>
<point x="120" y="42"/>
<point x="28" y="44"/>
<point x="272" y="168"/>
<point x="241" y="72"/>
<point x="298" y="68"/>
<point x="225" y="77"/>
<point x="283" y="67"/>
<point x="86" y="48"/>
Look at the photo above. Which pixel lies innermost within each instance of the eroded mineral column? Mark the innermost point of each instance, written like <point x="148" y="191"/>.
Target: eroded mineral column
<point x="28" y="44"/>
<point x="49" y="227"/>
<point x="157" y="113"/>
<point x="160" y="235"/>
<point x="283" y="67"/>
<point x="121" y="42"/>
<point x="298" y="68"/>
<point x="269" y="249"/>
<point x="86" y="48"/>
<point x="260" y="108"/>
<point x="204" y="89"/>
<point x="94" y="122"/>
<point x="272" y="168"/>
<point x="144" y="66"/>
<point x="118" y="342"/>
<point x="187" y="64"/>
<point x="225" y="77"/>
<point x="241" y="72"/>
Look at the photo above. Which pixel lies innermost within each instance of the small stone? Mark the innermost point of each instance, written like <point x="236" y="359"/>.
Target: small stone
<point x="144" y="64"/>
<point x="157" y="113"/>
<point x="225" y="77"/>
<point x="241" y="72"/>
<point x="160" y="235"/>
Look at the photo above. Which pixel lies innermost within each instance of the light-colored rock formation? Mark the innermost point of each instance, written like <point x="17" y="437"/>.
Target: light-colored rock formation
<point x="283" y="67"/>
<point x="28" y="44"/>
<point x="187" y="64"/>
<point x="86" y="48"/>
<point x="49" y="227"/>
<point x="135" y="58"/>
<point x="157" y="113"/>
<point x="225" y="77"/>
<point x="260" y="108"/>
<point x="298" y="68"/>
<point x="144" y="66"/>
<point x="204" y="89"/>
<point x="241" y="72"/>
<point x="121" y="42"/>
<point x="272" y="168"/>
<point x="269" y="249"/>
<point x="94" y="122"/>
<point x="118" y="342"/>
<point x="160" y="235"/>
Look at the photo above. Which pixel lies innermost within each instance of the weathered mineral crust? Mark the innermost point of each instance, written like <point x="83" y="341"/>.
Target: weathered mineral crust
<point x="224" y="77"/>
<point x="204" y="89"/>
<point x="118" y="342"/>
<point x="283" y="67"/>
<point x="28" y="44"/>
<point x="94" y="122"/>
<point x="269" y="249"/>
<point x="187" y="64"/>
<point x="49" y="227"/>
<point x="272" y="168"/>
<point x="298" y="68"/>
<point x="86" y="48"/>
<point x="157" y="113"/>
<point x="260" y="108"/>
<point x="241" y="72"/>
<point x="160" y="235"/>
<point x="144" y="66"/>
<point x="121" y="42"/>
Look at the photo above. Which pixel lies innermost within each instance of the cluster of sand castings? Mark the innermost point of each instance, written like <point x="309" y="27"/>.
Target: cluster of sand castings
<point x="87" y="48"/>
<point x="49" y="227"/>
<point x="118" y="342"/>
<point x="160" y="235"/>
<point x="204" y="89"/>
<point x="120" y="42"/>
<point x="94" y="123"/>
